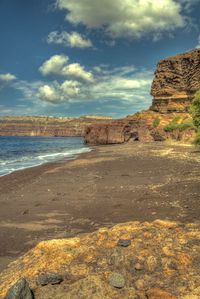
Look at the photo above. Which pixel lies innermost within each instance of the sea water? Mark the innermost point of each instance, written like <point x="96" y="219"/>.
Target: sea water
<point x="23" y="152"/>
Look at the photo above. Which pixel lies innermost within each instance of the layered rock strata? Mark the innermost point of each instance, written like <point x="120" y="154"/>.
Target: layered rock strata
<point x="132" y="260"/>
<point x="176" y="80"/>
<point x="47" y="126"/>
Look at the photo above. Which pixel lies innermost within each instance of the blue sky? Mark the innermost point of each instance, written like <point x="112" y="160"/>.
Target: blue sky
<point x="72" y="58"/>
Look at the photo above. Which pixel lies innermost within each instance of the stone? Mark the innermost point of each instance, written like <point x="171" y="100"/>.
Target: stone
<point x="140" y="284"/>
<point x="20" y="290"/>
<point x="124" y="243"/>
<point x="138" y="266"/>
<point x="117" y="280"/>
<point x="50" y="279"/>
<point x="159" y="294"/>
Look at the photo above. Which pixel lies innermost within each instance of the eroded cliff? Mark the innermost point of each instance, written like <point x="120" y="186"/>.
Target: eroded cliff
<point x="145" y="126"/>
<point x="133" y="260"/>
<point x="176" y="80"/>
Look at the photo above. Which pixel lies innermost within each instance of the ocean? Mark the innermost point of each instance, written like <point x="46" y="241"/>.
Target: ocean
<point x="24" y="152"/>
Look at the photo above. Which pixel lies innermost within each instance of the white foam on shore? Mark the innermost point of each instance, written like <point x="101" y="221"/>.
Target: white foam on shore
<point x="9" y="166"/>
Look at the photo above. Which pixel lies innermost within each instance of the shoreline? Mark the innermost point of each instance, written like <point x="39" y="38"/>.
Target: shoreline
<point x="44" y="158"/>
<point x="108" y="185"/>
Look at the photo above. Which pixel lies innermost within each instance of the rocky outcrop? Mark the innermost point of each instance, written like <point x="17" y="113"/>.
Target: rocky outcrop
<point x="47" y="126"/>
<point x="131" y="260"/>
<point x="176" y="80"/>
<point x="139" y="127"/>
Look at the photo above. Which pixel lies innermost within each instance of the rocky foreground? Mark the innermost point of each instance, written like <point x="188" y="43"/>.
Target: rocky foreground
<point x="153" y="260"/>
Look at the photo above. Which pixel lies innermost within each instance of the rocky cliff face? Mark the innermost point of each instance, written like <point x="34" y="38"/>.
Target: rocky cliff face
<point x="46" y="126"/>
<point x="133" y="260"/>
<point x="176" y="80"/>
<point x="139" y="127"/>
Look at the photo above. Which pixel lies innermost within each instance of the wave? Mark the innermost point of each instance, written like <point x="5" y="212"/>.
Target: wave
<point x="11" y="165"/>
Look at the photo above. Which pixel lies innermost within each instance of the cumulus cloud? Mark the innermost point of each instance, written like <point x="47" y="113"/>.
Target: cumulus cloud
<point x="7" y="77"/>
<point x="49" y="94"/>
<point x="127" y="18"/>
<point x="57" y="93"/>
<point x="72" y="40"/>
<point x="54" y="65"/>
<point x="123" y="84"/>
<point x="58" y="65"/>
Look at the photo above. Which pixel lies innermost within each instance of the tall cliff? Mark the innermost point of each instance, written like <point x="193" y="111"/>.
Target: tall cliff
<point x="176" y="80"/>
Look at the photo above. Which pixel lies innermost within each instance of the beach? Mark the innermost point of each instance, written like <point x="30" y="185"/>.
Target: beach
<point x="111" y="184"/>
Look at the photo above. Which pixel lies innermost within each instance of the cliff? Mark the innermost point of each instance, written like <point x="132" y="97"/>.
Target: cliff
<point x="176" y="80"/>
<point x="132" y="260"/>
<point x="47" y="126"/>
<point x="145" y="126"/>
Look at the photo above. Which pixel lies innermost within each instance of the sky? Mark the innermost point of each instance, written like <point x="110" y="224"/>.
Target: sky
<point x="88" y="57"/>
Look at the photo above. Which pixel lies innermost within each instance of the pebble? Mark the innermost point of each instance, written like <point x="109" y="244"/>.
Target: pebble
<point x="20" y="290"/>
<point x="124" y="243"/>
<point x="138" y="267"/>
<point x="50" y="279"/>
<point x="117" y="280"/>
<point x="140" y="284"/>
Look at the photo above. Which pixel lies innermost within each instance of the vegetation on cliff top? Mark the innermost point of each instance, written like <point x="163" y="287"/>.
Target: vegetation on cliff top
<point x="195" y="112"/>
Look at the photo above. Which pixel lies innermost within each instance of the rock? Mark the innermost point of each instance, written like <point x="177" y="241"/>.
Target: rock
<point x="50" y="279"/>
<point x="140" y="284"/>
<point x="138" y="267"/>
<point x="20" y="290"/>
<point x="176" y="80"/>
<point x="159" y="294"/>
<point x="117" y="280"/>
<point x="124" y="243"/>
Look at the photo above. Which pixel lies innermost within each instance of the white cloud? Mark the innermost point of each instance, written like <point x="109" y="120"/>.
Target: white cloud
<point x="77" y="71"/>
<point x="122" y="84"/>
<point x="72" y="40"/>
<point x="54" y="65"/>
<point x="57" y="93"/>
<point x="127" y="18"/>
<point x="49" y="94"/>
<point x="7" y="77"/>
<point x="70" y="88"/>
<point x="58" y="65"/>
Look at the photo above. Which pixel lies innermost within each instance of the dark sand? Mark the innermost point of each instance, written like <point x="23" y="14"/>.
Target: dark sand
<point x="111" y="184"/>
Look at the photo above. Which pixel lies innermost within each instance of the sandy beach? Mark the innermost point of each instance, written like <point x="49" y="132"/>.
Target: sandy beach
<point x="111" y="184"/>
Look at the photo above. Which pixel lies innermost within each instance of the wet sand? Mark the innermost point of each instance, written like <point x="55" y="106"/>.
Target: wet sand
<point x="109" y="185"/>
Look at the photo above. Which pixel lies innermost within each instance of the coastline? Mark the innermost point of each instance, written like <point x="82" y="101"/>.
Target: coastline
<point x="109" y="185"/>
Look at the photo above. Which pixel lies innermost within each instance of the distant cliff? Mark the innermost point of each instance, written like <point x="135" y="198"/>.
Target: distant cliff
<point x="47" y="126"/>
<point x="176" y="80"/>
